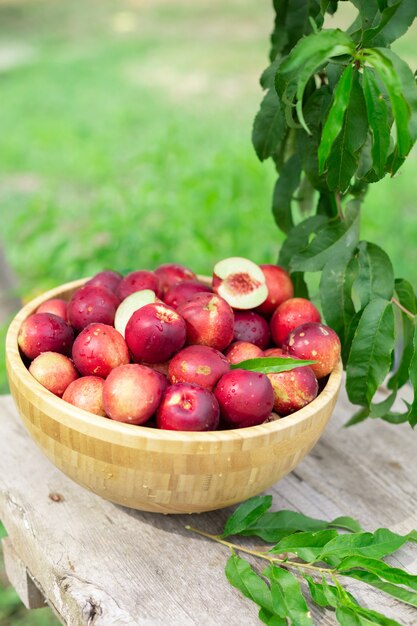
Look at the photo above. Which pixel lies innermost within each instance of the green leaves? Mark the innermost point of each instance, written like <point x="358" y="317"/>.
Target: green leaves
<point x="269" y="127"/>
<point x="252" y="518"/>
<point x="333" y="240"/>
<point x="391" y="22"/>
<point x="247" y="514"/>
<point x="286" y="593"/>
<point x="269" y="365"/>
<point x="375" y="277"/>
<point x="375" y="545"/>
<point x="371" y="351"/>
<point x="241" y="575"/>
<point x="307" y="546"/>
<point x="342" y="116"/>
<point x="318" y="555"/>
<point x="336" y="115"/>
<point x="378" y="118"/>
<point x="307" y="56"/>
<point x="352" y="615"/>
<point x="336" y="283"/>
<point x="344" y="157"/>
<point x="402" y="91"/>
<point x="380" y="568"/>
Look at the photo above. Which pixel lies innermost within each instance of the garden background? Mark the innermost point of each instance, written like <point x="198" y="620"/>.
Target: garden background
<point x="125" y="143"/>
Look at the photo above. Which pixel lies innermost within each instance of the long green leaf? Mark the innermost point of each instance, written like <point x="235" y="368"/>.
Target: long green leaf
<point x="323" y="594"/>
<point x="371" y="350"/>
<point x="336" y="293"/>
<point x="380" y="568"/>
<point x="286" y="588"/>
<point x="404" y="292"/>
<point x="378" y="120"/>
<point x="306" y="546"/>
<point x="271" y="619"/>
<point x="242" y="576"/>
<point x="272" y="527"/>
<point x="344" y="156"/>
<point x="269" y="365"/>
<point x="375" y="545"/>
<point x="394" y="22"/>
<point x="298" y="238"/>
<point x="399" y="81"/>
<point x="305" y="59"/>
<point x="347" y="523"/>
<point x="358" y="616"/>
<point x="334" y="121"/>
<point x="269" y="126"/>
<point x="335" y="240"/>
<point x="375" y="410"/>
<point x="405" y="595"/>
<point x="315" y="110"/>
<point x="319" y="594"/>
<point x="375" y="277"/>
<point x="246" y="514"/>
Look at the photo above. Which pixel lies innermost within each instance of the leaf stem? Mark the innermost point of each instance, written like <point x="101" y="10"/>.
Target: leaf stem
<point x="403" y="309"/>
<point x="261" y="555"/>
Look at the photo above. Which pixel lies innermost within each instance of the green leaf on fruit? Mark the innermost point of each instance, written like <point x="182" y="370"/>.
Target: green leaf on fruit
<point x="271" y="365"/>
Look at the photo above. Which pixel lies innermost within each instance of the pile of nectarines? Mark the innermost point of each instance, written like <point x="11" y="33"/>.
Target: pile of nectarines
<point x="161" y="348"/>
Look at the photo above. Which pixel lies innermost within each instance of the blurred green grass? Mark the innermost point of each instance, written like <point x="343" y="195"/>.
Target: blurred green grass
<point x="126" y="141"/>
<point x="125" y="129"/>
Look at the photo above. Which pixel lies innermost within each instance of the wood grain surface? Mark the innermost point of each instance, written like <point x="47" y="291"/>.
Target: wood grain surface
<point x="102" y="564"/>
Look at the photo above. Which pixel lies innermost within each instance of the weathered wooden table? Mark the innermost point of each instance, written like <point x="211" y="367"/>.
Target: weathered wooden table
<point x="96" y="563"/>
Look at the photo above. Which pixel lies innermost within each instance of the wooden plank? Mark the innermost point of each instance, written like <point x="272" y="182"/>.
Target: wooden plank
<point x="20" y="578"/>
<point x="103" y="564"/>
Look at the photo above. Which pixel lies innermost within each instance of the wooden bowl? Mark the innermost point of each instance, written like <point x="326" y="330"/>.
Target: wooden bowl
<point x="156" y="470"/>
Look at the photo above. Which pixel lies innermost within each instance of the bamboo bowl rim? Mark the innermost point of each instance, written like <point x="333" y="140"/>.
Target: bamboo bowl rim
<point x="106" y="428"/>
